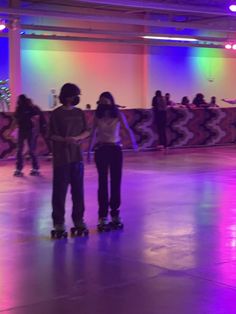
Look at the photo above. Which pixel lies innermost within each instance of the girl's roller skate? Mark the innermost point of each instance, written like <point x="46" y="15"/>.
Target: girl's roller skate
<point x="59" y="232"/>
<point x="116" y="223"/>
<point x="103" y="225"/>
<point x="18" y="173"/>
<point x="79" y="230"/>
<point x="34" y="172"/>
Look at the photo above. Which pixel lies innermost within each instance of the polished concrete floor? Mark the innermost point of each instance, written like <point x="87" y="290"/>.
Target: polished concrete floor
<point x="176" y="254"/>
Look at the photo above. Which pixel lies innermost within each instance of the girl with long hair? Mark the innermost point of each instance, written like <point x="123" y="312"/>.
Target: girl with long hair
<point x="108" y="158"/>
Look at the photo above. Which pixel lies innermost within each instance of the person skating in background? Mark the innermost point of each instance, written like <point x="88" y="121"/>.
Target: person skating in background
<point x="160" y="118"/>
<point x="199" y="100"/>
<point x="25" y="118"/>
<point x="185" y="101"/>
<point x="109" y="159"/>
<point x="43" y="128"/>
<point x="67" y="129"/>
<point x="213" y="103"/>
<point x="169" y="102"/>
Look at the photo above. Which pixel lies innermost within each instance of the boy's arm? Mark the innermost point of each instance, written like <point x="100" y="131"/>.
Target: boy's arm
<point x="85" y="134"/>
<point x="82" y="136"/>
<point x="92" y="135"/>
<point x="53" y="133"/>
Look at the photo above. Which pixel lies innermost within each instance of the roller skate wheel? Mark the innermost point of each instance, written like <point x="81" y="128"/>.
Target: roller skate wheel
<point x="65" y="235"/>
<point x="34" y="173"/>
<point x="18" y="174"/>
<point x="73" y="232"/>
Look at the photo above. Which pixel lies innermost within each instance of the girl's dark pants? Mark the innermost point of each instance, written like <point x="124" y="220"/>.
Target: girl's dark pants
<point x="109" y="159"/>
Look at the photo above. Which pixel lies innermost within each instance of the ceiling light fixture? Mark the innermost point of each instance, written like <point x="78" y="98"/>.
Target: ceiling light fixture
<point x="232" y="7"/>
<point x="228" y="46"/>
<point x="171" y="38"/>
<point x="2" y="25"/>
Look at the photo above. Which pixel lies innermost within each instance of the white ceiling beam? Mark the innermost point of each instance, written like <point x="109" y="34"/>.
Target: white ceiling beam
<point x="119" y="41"/>
<point x="96" y="18"/>
<point x="91" y="31"/>
<point x="116" y="20"/>
<point x="155" y="6"/>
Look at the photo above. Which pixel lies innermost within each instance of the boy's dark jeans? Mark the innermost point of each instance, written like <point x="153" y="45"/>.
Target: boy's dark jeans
<point x="72" y="174"/>
<point x="109" y="158"/>
<point x="31" y="139"/>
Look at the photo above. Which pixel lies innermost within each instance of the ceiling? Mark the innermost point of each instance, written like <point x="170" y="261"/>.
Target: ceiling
<point x="209" y="21"/>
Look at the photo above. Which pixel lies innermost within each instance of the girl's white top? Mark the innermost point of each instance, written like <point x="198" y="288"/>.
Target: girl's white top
<point x="108" y="130"/>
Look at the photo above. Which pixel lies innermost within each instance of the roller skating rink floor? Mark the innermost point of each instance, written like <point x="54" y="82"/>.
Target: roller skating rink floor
<point x="175" y="255"/>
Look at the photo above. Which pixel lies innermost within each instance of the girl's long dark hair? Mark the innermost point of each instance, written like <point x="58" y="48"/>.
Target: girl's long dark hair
<point x="112" y="110"/>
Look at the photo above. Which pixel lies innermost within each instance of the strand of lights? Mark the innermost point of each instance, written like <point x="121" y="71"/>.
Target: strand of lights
<point x="171" y="38"/>
<point x="230" y="46"/>
<point x="5" y="93"/>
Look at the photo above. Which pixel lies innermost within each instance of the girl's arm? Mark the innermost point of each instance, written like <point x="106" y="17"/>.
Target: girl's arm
<point x="230" y="101"/>
<point x="81" y="137"/>
<point x="125" y="125"/>
<point x="77" y="139"/>
<point x="92" y="138"/>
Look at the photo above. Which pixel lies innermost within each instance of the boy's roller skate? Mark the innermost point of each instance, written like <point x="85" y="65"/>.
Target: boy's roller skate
<point x="59" y="232"/>
<point x="116" y="223"/>
<point x="34" y="172"/>
<point x="18" y="173"/>
<point x="79" y="230"/>
<point x="103" y="225"/>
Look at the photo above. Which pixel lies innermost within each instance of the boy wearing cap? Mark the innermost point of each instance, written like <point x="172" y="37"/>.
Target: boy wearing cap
<point x="67" y="129"/>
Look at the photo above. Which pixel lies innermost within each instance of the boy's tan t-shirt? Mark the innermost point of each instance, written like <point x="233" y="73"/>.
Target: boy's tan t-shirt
<point x="66" y="123"/>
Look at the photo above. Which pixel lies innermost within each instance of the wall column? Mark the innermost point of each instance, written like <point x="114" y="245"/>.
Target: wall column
<point x="14" y="57"/>
<point x="146" y="100"/>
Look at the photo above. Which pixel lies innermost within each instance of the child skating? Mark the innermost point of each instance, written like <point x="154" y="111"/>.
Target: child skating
<point x="67" y="129"/>
<point x="109" y="159"/>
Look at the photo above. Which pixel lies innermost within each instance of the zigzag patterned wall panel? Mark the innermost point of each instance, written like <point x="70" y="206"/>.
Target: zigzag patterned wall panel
<point x="185" y="127"/>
